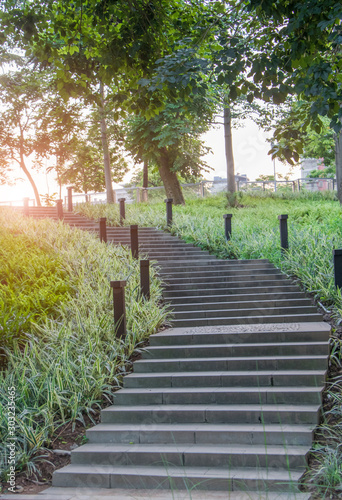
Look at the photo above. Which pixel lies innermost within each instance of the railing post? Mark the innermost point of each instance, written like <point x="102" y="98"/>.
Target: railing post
<point x="26" y="206"/>
<point x="103" y="229"/>
<point x="114" y="196"/>
<point x="284" y="241"/>
<point x="134" y="241"/>
<point x="228" y="225"/>
<point x="138" y="195"/>
<point x="168" y="202"/>
<point x="145" y="278"/>
<point x="119" y="307"/>
<point x="69" y="198"/>
<point x="298" y="182"/>
<point x="337" y="254"/>
<point x="59" y="205"/>
<point x="202" y="189"/>
<point x="122" y="210"/>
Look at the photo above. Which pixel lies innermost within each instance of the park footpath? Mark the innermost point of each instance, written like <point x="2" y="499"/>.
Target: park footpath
<point x="224" y="404"/>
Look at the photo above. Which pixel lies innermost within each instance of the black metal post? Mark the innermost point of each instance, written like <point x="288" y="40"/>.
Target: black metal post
<point x="337" y="254"/>
<point x="26" y="206"/>
<point x="59" y="205"/>
<point x="134" y="241"/>
<point x="103" y="229"/>
<point x="228" y="225"/>
<point x="168" y="202"/>
<point x="145" y="278"/>
<point x="119" y="307"/>
<point x="122" y="210"/>
<point x="69" y="199"/>
<point x="284" y="241"/>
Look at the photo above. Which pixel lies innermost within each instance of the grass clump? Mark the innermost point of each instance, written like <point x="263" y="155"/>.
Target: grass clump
<point x="32" y="283"/>
<point x="71" y="363"/>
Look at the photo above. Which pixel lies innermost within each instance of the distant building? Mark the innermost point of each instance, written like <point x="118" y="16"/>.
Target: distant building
<point x="238" y="177"/>
<point x="308" y="165"/>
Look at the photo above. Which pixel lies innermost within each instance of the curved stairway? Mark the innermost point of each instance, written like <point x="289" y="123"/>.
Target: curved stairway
<point x="227" y="399"/>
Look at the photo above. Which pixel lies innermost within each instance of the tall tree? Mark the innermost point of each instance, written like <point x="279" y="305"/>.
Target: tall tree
<point x="171" y="141"/>
<point x="22" y="95"/>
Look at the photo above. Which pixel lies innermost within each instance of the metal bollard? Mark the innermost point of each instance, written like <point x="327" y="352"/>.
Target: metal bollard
<point x="59" y="205"/>
<point x="122" y="210"/>
<point x="284" y="241"/>
<point x="337" y="254"/>
<point x="168" y="202"/>
<point x="228" y="225"/>
<point x="26" y="206"/>
<point x="119" y="307"/>
<point x="134" y="241"/>
<point x="103" y="229"/>
<point x="69" y="199"/>
<point x="145" y="278"/>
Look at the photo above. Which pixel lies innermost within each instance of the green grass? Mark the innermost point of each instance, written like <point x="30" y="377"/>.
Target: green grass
<point x="71" y="361"/>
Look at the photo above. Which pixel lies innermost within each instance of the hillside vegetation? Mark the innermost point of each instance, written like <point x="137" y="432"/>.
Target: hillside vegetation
<point x="59" y="349"/>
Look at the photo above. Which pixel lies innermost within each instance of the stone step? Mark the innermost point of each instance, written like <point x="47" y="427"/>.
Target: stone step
<point x="239" y="349"/>
<point x="252" y="311"/>
<point x="142" y="477"/>
<point x="219" y="395"/>
<point x="205" y="433"/>
<point x="286" y="414"/>
<point x="223" y="278"/>
<point x="213" y="274"/>
<point x="203" y="257"/>
<point x="219" y="265"/>
<point x="182" y="253"/>
<point x="264" y="333"/>
<point x="239" y="320"/>
<point x="186" y="265"/>
<point x="255" y="290"/>
<point x="310" y="362"/>
<point x="237" y="305"/>
<point x="190" y="455"/>
<point x="264" y="281"/>
<point x="215" y="379"/>
<point x="238" y="297"/>
<point x="55" y="493"/>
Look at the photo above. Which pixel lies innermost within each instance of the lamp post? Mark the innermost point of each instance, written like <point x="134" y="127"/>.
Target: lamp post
<point x="274" y="172"/>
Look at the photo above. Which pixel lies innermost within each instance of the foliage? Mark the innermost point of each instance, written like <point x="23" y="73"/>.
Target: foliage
<point x="175" y="130"/>
<point x="71" y="365"/>
<point x="32" y="283"/>
<point x="21" y="94"/>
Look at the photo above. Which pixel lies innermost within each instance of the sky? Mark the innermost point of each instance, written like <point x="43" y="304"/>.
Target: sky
<point x="250" y="153"/>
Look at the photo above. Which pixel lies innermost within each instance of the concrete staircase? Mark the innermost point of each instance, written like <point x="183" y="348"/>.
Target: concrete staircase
<point x="227" y="399"/>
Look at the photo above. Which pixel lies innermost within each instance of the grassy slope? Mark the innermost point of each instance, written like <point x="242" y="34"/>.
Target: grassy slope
<point x="72" y="360"/>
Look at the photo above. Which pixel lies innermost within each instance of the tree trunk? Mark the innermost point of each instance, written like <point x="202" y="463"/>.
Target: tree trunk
<point x="29" y="176"/>
<point x="145" y="175"/>
<point x="170" y="180"/>
<point x="105" y="149"/>
<point x="228" y="144"/>
<point x="338" y="161"/>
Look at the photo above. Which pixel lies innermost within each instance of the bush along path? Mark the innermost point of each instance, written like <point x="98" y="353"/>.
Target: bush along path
<point x="225" y="400"/>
